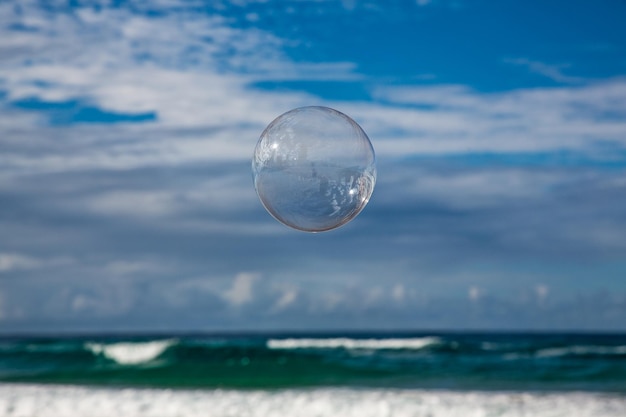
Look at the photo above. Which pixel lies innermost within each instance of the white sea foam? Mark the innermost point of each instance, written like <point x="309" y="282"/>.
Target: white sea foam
<point x="347" y="343"/>
<point x="65" y="401"/>
<point x="581" y="350"/>
<point x="131" y="353"/>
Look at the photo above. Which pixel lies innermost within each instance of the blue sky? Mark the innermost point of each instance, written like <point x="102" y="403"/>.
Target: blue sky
<point x="127" y="129"/>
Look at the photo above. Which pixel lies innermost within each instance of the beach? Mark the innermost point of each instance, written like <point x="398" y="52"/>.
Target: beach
<point x="70" y="401"/>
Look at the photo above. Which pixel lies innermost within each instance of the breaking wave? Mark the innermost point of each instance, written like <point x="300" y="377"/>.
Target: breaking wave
<point x="348" y="343"/>
<point x="131" y="353"/>
<point x="460" y="361"/>
<point x="581" y="350"/>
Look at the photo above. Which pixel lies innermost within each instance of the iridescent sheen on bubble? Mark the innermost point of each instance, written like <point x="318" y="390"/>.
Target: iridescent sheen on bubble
<point x="314" y="169"/>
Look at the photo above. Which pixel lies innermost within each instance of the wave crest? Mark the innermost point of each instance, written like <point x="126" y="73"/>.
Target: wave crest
<point x="131" y="353"/>
<point x="581" y="350"/>
<point x="347" y="343"/>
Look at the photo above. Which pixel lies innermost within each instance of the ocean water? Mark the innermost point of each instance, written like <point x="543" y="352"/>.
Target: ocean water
<point x="315" y="375"/>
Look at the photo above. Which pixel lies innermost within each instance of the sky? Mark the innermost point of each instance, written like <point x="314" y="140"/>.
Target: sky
<point x="127" y="130"/>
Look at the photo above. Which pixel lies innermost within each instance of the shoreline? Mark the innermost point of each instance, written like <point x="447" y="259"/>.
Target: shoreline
<point x="75" y="400"/>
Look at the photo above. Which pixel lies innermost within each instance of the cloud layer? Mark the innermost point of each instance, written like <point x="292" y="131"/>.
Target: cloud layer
<point x="126" y="199"/>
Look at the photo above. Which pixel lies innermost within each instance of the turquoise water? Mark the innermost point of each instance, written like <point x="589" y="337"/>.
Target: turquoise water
<point x="416" y="361"/>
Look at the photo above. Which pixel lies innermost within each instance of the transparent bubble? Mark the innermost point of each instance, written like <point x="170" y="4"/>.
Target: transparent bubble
<point x="314" y="169"/>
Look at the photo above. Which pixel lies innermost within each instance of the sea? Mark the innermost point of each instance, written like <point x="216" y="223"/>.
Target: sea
<point x="339" y="374"/>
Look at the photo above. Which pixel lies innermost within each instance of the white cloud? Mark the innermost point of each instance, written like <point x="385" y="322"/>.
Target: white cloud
<point x="554" y="72"/>
<point x="486" y="188"/>
<point x="133" y="203"/>
<point x="241" y="291"/>
<point x="326" y="302"/>
<point x="172" y="65"/>
<point x="286" y="299"/>
<point x="455" y="119"/>
<point x="474" y="293"/>
<point x="196" y="73"/>
<point x="10" y="262"/>
<point x="128" y="63"/>
<point x="14" y="261"/>
<point x="121" y="62"/>
<point x="398" y="292"/>
<point x="542" y="291"/>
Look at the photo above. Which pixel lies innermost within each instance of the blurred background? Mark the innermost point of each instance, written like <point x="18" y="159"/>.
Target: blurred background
<point x="127" y="130"/>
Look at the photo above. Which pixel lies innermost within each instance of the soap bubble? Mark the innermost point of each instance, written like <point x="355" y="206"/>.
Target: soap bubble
<point x="314" y="169"/>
